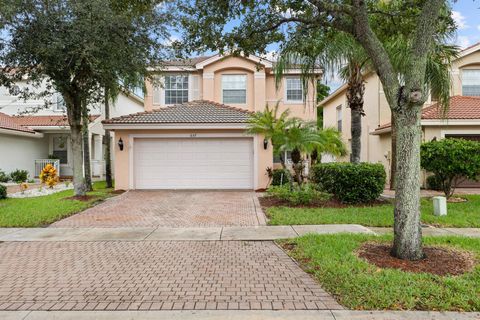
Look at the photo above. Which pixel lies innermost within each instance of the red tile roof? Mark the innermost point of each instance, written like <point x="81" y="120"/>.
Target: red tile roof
<point x="41" y="121"/>
<point x="24" y="123"/>
<point x="199" y="111"/>
<point x="461" y="107"/>
<point x="7" y="122"/>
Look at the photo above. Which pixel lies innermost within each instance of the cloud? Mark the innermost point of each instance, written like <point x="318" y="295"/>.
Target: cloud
<point x="460" y="20"/>
<point x="463" y="41"/>
<point x="478" y="27"/>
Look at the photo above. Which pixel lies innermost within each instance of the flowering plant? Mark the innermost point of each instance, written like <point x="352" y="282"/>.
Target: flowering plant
<point x="49" y="175"/>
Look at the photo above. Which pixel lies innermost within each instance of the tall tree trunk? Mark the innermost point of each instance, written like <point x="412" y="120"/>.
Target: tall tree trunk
<point x="356" y="130"/>
<point x="87" y="168"/>
<point x="74" y="111"/>
<point x="355" y="93"/>
<point x="407" y="242"/>
<point x="393" y="153"/>
<point x="108" y="161"/>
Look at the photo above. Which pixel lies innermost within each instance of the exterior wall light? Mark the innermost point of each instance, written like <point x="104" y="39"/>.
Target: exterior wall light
<point x="265" y="144"/>
<point x="120" y="144"/>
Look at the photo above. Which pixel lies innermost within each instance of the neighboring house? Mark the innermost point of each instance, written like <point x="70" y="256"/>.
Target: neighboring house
<point x="192" y="133"/>
<point x="461" y="120"/>
<point x="32" y="131"/>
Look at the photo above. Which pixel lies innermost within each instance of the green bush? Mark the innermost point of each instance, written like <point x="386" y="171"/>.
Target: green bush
<point x="452" y="161"/>
<point x="298" y="195"/>
<point x="19" y="176"/>
<point x="4" y="177"/>
<point x="349" y="182"/>
<point x="3" y="192"/>
<point x="280" y="177"/>
<point x="434" y="183"/>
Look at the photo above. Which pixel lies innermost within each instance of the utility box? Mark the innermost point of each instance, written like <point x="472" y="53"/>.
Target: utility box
<point x="439" y="206"/>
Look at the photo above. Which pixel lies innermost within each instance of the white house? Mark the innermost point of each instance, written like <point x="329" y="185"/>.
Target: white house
<point x="33" y="131"/>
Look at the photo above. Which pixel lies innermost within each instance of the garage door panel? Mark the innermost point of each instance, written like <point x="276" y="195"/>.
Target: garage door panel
<point x="217" y="163"/>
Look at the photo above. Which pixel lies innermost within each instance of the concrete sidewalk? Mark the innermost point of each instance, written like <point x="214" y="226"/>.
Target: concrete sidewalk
<point x="200" y="234"/>
<point x="173" y="234"/>
<point x="237" y="315"/>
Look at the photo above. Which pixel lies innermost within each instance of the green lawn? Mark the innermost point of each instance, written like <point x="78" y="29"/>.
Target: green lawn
<point x="463" y="214"/>
<point x="39" y="211"/>
<point x="357" y="284"/>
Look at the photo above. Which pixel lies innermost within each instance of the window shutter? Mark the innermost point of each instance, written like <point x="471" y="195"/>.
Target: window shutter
<point x="194" y="87"/>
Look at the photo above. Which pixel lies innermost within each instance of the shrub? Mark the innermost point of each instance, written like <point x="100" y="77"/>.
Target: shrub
<point x="19" y="176"/>
<point x="298" y="195"/>
<point x="349" y="182"/>
<point x="49" y="175"/>
<point x="434" y="183"/>
<point x="452" y="161"/>
<point x="4" y="177"/>
<point x="279" y="177"/>
<point x="3" y="192"/>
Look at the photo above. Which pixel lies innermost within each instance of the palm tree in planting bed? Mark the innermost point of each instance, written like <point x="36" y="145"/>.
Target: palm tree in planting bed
<point x="296" y="136"/>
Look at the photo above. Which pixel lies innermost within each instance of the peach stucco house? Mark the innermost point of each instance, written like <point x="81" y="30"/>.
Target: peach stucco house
<point x="192" y="133"/>
<point x="462" y="119"/>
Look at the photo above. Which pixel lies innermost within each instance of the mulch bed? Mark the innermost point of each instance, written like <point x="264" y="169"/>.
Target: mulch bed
<point x="86" y="198"/>
<point x="439" y="260"/>
<point x="117" y="191"/>
<point x="267" y="202"/>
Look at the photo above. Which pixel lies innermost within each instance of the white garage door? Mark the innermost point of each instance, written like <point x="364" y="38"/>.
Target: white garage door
<point x="196" y="163"/>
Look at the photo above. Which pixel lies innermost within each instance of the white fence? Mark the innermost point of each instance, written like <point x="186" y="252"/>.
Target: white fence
<point x="41" y="163"/>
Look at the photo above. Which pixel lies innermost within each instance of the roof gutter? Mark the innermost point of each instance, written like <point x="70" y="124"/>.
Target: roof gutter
<point x="21" y="133"/>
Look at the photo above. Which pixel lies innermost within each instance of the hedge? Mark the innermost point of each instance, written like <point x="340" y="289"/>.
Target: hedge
<point x="349" y="182"/>
<point x="3" y="192"/>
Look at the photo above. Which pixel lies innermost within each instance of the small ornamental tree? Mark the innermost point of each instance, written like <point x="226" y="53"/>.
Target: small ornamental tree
<point x="452" y="161"/>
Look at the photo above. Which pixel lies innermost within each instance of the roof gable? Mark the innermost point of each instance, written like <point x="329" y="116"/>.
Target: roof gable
<point x="266" y="63"/>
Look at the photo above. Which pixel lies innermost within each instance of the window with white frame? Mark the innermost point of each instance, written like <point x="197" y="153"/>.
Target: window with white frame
<point x="471" y="82"/>
<point x="176" y="89"/>
<point x="234" y="88"/>
<point x="339" y="118"/>
<point x="294" y="89"/>
<point x="59" y="103"/>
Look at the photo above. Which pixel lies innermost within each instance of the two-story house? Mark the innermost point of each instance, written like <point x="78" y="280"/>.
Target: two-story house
<point x="192" y="133"/>
<point x="461" y="120"/>
<point x="34" y="131"/>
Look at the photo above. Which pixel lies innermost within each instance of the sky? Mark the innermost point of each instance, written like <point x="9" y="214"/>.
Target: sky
<point x="466" y="14"/>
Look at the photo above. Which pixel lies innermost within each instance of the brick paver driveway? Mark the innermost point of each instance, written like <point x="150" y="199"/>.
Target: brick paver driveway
<point x="172" y="209"/>
<point x="154" y="275"/>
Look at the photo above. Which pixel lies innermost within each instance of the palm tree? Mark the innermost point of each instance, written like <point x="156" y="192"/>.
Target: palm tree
<point x="272" y="126"/>
<point x="304" y="139"/>
<point x="334" y="51"/>
<point x="339" y="51"/>
<point x="296" y="136"/>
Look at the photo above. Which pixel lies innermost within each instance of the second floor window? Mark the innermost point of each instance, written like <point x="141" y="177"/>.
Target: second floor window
<point x="294" y="89"/>
<point x="176" y="89"/>
<point x="234" y="87"/>
<point x="471" y="82"/>
<point x="339" y="118"/>
<point x="59" y="103"/>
